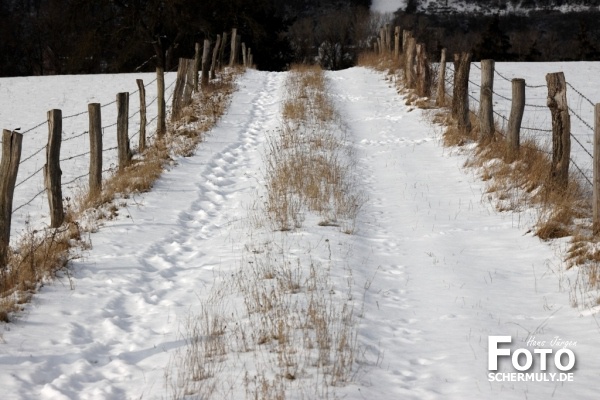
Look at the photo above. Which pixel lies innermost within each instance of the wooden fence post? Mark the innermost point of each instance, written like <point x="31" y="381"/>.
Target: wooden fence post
<point x="215" y="55"/>
<point x="182" y="94"/>
<point x="486" y="105"/>
<point x="596" y="196"/>
<point x="205" y="62"/>
<point x="196" y="65"/>
<point x="396" y="43"/>
<point x="455" y="99"/>
<point x="423" y="72"/>
<point x="143" y="120"/>
<point x="95" y="119"/>
<point x="409" y="73"/>
<point x="405" y="36"/>
<point x="9" y="167"/>
<point x="516" y="115"/>
<point x="233" y="54"/>
<point x="161" y="125"/>
<point x="123" y="129"/>
<point x="561" y="128"/>
<point x="244" y="55"/>
<point x="222" y="50"/>
<point x="52" y="172"/>
<point x="388" y="38"/>
<point x="461" y="92"/>
<point x="440" y="100"/>
<point x="382" y="44"/>
<point x="250" y="58"/>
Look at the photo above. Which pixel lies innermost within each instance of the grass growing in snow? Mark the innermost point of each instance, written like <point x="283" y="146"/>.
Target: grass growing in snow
<point x="281" y="325"/>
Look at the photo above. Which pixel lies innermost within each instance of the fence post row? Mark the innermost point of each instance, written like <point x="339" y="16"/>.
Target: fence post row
<point x="440" y="100"/>
<point x="52" y="172"/>
<point x="123" y="129"/>
<point x="9" y="167"/>
<point x="486" y="105"/>
<point x="561" y="128"/>
<point x="95" y="119"/>
<point x="143" y="118"/>
<point x="516" y="115"/>
<point x="205" y="62"/>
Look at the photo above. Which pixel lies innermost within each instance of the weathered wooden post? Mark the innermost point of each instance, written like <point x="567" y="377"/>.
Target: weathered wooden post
<point x="440" y="100"/>
<point x="517" y="109"/>
<point x="233" y="54"/>
<point x="180" y="88"/>
<point x="52" y="172"/>
<point x="405" y="36"/>
<point x="486" y="105"/>
<point x="196" y="65"/>
<point x="213" y="67"/>
<point x="423" y="72"/>
<point x="596" y="196"/>
<point x="561" y="128"/>
<point x="124" y="151"/>
<point x="396" y="43"/>
<point x="205" y="63"/>
<point x="222" y="51"/>
<point x="388" y="38"/>
<point x="9" y="167"/>
<point x="95" y="127"/>
<point x="244" y="55"/>
<point x="454" y="107"/>
<point x="250" y="58"/>
<point x="461" y="93"/>
<point x="382" y="44"/>
<point x="409" y="72"/>
<point x="143" y="118"/>
<point x="161" y="125"/>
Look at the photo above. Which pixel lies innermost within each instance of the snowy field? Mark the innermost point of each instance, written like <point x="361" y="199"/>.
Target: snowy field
<point x="387" y="6"/>
<point x="434" y="269"/>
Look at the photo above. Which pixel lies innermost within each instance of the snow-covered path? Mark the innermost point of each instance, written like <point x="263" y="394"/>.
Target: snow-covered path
<point x="446" y="270"/>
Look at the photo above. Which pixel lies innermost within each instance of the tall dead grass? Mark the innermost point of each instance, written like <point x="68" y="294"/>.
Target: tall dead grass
<point x="41" y="254"/>
<point x="308" y="165"/>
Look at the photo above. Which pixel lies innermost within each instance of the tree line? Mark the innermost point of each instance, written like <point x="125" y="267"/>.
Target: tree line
<point x="41" y="37"/>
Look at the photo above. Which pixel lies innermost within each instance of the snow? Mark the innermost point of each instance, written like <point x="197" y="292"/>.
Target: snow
<point x="387" y="6"/>
<point x="432" y="267"/>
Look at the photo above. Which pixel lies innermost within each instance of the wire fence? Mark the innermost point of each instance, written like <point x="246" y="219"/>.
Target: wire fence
<point x="538" y="127"/>
<point x="74" y="160"/>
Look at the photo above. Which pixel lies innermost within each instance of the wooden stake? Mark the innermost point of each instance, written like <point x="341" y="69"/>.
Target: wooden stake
<point x="596" y="196"/>
<point x="95" y="127"/>
<point x="215" y="55"/>
<point x="486" y="105"/>
<point x="561" y="128"/>
<point x="440" y="100"/>
<point x="517" y="109"/>
<point x="9" y="167"/>
<point x="123" y="129"/>
<point x="161" y="127"/>
<point x="205" y="63"/>
<point x="52" y="172"/>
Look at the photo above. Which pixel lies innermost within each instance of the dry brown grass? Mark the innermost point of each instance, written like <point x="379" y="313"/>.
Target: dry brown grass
<point x="307" y="164"/>
<point x="41" y="254"/>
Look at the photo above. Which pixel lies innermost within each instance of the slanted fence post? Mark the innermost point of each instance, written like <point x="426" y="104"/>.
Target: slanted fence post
<point x="213" y="68"/>
<point x="486" y="105"/>
<point x="143" y="118"/>
<point x="461" y="92"/>
<point x="182" y="96"/>
<point x="561" y="128"/>
<point x="52" y="172"/>
<point x="9" y="167"/>
<point x="205" y="62"/>
<point x="123" y="129"/>
<point x="95" y="118"/>
<point x="516" y="115"/>
<point x="161" y="127"/>
<point x="440" y="100"/>
<point x="596" y="198"/>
